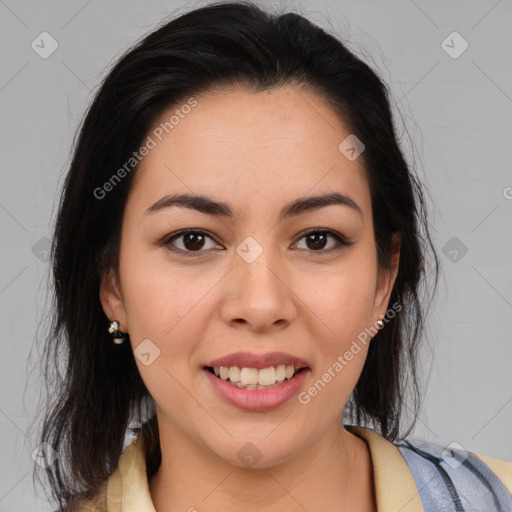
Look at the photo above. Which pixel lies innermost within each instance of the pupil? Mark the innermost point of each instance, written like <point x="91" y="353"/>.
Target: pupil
<point x="321" y="236"/>
<point x="196" y="241"/>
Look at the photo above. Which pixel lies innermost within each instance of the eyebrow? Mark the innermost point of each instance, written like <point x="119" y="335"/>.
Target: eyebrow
<point x="210" y="206"/>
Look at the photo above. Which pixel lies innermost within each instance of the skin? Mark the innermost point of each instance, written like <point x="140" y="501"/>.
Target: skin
<point x="293" y="298"/>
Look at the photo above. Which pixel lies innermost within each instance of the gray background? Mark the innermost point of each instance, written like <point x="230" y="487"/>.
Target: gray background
<point x="457" y="112"/>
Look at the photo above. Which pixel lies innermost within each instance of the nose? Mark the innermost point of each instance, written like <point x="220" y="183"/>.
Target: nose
<point x="259" y="295"/>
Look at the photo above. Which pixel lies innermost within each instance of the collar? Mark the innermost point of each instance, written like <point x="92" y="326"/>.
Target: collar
<point x="395" y="488"/>
<point x="128" y="488"/>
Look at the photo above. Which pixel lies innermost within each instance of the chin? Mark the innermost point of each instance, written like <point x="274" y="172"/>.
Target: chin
<point x="254" y="451"/>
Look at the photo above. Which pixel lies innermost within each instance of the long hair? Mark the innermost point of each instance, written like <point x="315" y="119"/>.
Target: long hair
<point x="94" y="388"/>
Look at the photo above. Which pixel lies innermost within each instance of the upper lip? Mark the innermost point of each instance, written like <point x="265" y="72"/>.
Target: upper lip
<point x="249" y="360"/>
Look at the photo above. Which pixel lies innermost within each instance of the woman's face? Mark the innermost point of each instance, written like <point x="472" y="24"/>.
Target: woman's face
<point x="249" y="285"/>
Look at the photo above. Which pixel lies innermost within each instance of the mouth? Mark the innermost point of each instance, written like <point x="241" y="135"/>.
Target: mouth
<point x="256" y="378"/>
<point x="257" y="382"/>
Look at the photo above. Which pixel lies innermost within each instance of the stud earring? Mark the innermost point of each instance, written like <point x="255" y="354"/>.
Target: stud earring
<point x="380" y="323"/>
<point x="118" y="337"/>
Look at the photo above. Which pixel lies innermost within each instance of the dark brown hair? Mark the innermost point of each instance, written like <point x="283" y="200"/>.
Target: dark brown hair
<point x="94" y="388"/>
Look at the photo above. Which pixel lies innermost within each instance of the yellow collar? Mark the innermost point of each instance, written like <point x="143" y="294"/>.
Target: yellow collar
<point x="128" y="488"/>
<point x="394" y="485"/>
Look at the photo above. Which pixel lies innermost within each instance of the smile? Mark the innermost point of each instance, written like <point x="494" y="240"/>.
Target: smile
<point x="256" y="397"/>
<point x="254" y="378"/>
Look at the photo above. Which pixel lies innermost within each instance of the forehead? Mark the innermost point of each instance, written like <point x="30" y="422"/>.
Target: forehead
<point x="279" y="143"/>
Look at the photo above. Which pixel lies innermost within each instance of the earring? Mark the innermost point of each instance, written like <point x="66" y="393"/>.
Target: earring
<point x="118" y="337"/>
<point x="380" y="323"/>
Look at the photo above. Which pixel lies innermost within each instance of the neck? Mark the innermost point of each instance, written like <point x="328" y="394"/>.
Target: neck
<point x="333" y="474"/>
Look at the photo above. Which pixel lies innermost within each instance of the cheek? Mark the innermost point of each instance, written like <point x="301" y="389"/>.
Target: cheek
<point x="163" y="307"/>
<point x="343" y="298"/>
<point x="163" y="301"/>
<point x="345" y="310"/>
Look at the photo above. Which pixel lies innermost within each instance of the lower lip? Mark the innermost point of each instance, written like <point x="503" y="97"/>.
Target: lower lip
<point x="258" y="399"/>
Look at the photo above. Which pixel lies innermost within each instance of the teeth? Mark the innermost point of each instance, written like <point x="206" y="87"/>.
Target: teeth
<point x="289" y="371"/>
<point x="267" y="376"/>
<point x="234" y="374"/>
<point x="252" y="378"/>
<point x="248" y="376"/>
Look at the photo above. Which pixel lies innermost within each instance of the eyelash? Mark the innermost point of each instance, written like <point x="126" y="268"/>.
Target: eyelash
<point x="341" y="241"/>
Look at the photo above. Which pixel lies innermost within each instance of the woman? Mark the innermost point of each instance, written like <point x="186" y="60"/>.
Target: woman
<point x="238" y="258"/>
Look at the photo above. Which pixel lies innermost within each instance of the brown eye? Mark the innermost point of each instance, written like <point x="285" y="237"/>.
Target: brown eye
<point x="192" y="241"/>
<point x="316" y="241"/>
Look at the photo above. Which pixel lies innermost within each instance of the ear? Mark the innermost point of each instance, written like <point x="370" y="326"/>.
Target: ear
<point x="386" y="280"/>
<point x="111" y="299"/>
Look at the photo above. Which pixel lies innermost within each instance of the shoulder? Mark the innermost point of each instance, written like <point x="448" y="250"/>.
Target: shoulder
<point x="451" y="478"/>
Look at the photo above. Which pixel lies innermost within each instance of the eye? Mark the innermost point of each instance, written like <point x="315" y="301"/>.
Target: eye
<point x="193" y="242"/>
<point x="316" y="240"/>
